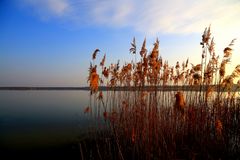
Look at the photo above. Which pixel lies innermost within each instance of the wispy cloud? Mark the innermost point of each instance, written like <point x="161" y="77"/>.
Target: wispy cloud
<point x="185" y="16"/>
<point x="115" y="13"/>
<point x="48" y="8"/>
<point x="151" y="16"/>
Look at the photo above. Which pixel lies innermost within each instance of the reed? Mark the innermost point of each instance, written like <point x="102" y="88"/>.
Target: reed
<point x="159" y="124"/>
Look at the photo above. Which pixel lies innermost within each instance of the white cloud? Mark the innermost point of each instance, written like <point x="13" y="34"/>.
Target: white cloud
<point x="48" y="8"/>
<point x="185" y="16"/>
<point x="150" y="17"/>
<point x="111" y="12"/>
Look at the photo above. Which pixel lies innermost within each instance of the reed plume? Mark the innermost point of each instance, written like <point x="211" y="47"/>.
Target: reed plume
<point x="95" y="54"/>
<point x="103" y="60"/>
<point x="143" y="49"/>
<point x="133" y="48"/>
<point x="93" y="79"/>
<point x="179" y="102"/>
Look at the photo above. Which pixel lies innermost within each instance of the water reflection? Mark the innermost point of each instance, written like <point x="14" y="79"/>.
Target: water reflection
<point x="31" y="119"/>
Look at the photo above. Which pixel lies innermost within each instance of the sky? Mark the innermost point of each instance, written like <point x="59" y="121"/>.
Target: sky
<point x="50" y="42"/>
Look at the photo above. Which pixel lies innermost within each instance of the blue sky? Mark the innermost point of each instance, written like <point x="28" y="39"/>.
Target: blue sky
<point x="50" y="42"/>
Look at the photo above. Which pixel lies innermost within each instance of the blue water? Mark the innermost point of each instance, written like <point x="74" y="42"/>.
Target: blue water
<point x="41" y="119"/>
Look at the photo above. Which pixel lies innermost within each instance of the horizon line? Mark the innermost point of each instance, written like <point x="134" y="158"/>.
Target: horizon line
<point x="128" y="88"/>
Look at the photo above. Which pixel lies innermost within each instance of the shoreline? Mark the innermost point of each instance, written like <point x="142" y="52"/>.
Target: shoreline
<point x="130" y="88"/>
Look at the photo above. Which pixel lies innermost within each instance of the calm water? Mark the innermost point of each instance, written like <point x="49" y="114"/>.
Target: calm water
<point x="38" y="120"/>
<point x="43" y="123"/>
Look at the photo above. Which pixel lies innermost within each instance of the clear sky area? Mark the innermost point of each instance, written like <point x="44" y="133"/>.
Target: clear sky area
<point x="50" y="42"/>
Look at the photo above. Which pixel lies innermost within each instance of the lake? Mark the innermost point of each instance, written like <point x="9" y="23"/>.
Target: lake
<point x="42" y="124"/>
<point x="46" y="124"/>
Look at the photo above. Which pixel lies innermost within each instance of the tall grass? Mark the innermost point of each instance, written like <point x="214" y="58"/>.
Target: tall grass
<point x="144" y="121"/>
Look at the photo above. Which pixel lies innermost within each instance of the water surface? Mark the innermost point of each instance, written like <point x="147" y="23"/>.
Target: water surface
<point x="41" y="120"/>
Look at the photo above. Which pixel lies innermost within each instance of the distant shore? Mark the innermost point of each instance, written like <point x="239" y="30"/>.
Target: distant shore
<point x="130" y="88"/>
<point x="43" y="88"/>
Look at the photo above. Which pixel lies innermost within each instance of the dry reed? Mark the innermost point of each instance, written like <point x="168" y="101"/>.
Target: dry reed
<point x="143" y="120"/>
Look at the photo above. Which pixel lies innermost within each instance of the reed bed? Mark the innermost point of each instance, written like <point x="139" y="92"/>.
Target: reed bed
<point x="159" y="124"/>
